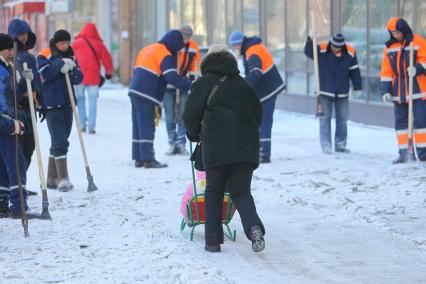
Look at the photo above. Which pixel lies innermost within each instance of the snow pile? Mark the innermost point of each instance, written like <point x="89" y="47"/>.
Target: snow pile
<point x="329" y="218"/>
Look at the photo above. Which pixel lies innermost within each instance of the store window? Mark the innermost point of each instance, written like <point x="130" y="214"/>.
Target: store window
<point x="194" y="14"/>
<point x="354" y="28"/>
<point x="146" y="25"/>
<point x="414" y="12"/>
<point x="175" y="14"/>
<point x="275" y="32"/>
<point x="219" y="21"/>
<point x="296" y="36"/>
<point x="85" y="11"/>
<point x="321" y="15"/>
<point x="233" y="16"/>
<point x="380" y="12"/>
<point x="251" y="18"/>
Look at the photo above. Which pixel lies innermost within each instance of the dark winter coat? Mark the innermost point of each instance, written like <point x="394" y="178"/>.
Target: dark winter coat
<point x="336" y="72"/>
<point x="7" y="94"/>
<point x="155" y="66"/>
<point x="232" y="118"/>
<point x="89" y="62"/>
<point x="6" y="124"/>
<point x="17" y="27"/>
<point x="260" y="69"/>
<point x="54" y="86"/>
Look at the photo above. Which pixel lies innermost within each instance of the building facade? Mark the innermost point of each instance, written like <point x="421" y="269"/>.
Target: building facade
<point x="128" y="25"/>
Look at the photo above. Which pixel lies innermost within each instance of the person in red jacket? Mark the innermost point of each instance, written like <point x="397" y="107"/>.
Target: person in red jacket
<point x="91" y="53"/>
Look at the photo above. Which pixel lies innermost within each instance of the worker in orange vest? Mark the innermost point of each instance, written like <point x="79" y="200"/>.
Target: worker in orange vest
<point x="394" y="85"/>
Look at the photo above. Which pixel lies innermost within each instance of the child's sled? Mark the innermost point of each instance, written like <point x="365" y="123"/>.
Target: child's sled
<point x="196" y="214"/>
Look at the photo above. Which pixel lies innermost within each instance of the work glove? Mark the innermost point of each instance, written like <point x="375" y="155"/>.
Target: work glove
<point x="41" y="114"/>
<point x="69" y="62"/>
<point x="411" y="71"/>
<point x="17" y="127"/>
<point x="108" y="76"/>
<point x="386" y="97"/>
<point x="65" y="68"/>
<point x="357" y="94"/>
<point x="28" y="74"/>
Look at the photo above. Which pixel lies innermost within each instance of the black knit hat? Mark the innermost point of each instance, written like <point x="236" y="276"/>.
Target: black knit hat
<point x="337" y="40"/>
<point x="61" y="35"/>
<point x="6" y="41"/>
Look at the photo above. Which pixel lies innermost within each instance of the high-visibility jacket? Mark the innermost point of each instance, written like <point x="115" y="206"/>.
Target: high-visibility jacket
<point x="394" y="76"/>
<point x="54" y="87"/>
<point x="155" y="66"/>
<point x="189" y="59"/>
<point x="336" y="72"/>
<point x="260" y="69"/>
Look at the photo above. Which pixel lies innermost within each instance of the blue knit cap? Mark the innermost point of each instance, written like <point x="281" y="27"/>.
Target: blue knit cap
<point x="236" y="38"/>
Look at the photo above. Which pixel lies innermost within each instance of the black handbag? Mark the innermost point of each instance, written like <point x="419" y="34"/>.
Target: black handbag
<point x="101" y="78"/>
<point x="197" y="154"/>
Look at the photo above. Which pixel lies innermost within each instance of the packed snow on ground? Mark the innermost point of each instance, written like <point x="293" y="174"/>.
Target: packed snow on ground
<point x="340" y="218"/>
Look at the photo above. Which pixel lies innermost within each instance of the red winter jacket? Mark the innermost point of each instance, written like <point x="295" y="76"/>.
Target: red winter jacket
<point x="89" y="64"/>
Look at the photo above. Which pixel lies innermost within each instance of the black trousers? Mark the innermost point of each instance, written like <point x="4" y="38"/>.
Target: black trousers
<point x="235" y="179"/>
<point x="28" y="145"/>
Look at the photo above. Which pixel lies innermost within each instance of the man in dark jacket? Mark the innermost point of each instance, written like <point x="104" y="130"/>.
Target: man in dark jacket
<point x="21" y="32"/>
<point x="228" y="124"/>
<point x="337" y="65"/>
<point x="155" y="66"/>
<point x="54" y="63"/>
<point x="261" y="72"/>
<point x="9" y="179"/>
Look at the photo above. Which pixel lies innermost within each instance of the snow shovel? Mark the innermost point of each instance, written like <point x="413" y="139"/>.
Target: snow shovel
<point x="45" y="203"/>
<point x="410" y="150"/>
<point x="91" y="186"/>
<point x="24" y="217"/>
<point x="319" y="111"/>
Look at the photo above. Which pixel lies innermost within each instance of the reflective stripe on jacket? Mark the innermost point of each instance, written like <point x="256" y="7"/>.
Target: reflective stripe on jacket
<point x="54" y="86"/>
<point x="155" y="66"/>
<point x="335" y="72"/>
<point x="394" y="77"/>
<point x="260" y="69"/>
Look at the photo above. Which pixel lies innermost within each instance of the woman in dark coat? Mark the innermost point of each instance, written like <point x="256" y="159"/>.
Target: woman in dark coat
<point x="230" y="143"/>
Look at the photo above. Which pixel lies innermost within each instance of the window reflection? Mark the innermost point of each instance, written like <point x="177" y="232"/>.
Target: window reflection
<point x="175" y="19"/>
<point x="321" y="10"/>
<point x="251" y="17"/>
<point x="296" y="59"/>
<point x="380" y="12"/>
<point x="275" y="35"/>
<point x="219" y="21"/>
<point x="354" y="28"/>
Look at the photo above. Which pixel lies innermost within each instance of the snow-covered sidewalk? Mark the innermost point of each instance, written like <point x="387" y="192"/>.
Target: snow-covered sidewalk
<point x="341" y="218"/>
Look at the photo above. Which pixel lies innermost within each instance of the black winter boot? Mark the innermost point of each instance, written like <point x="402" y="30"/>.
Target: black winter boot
<point x="139" y="164"/>
<point x="212" y="248"/>
<point x="4" y="206"/>
<point x="404" y="157"/>
<point x="51" y="181"/>
<point x="154" y="164"/>
<point x="256" y="237"/>
<point x="31" y="192"/>
<point x="342" y="150"/>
